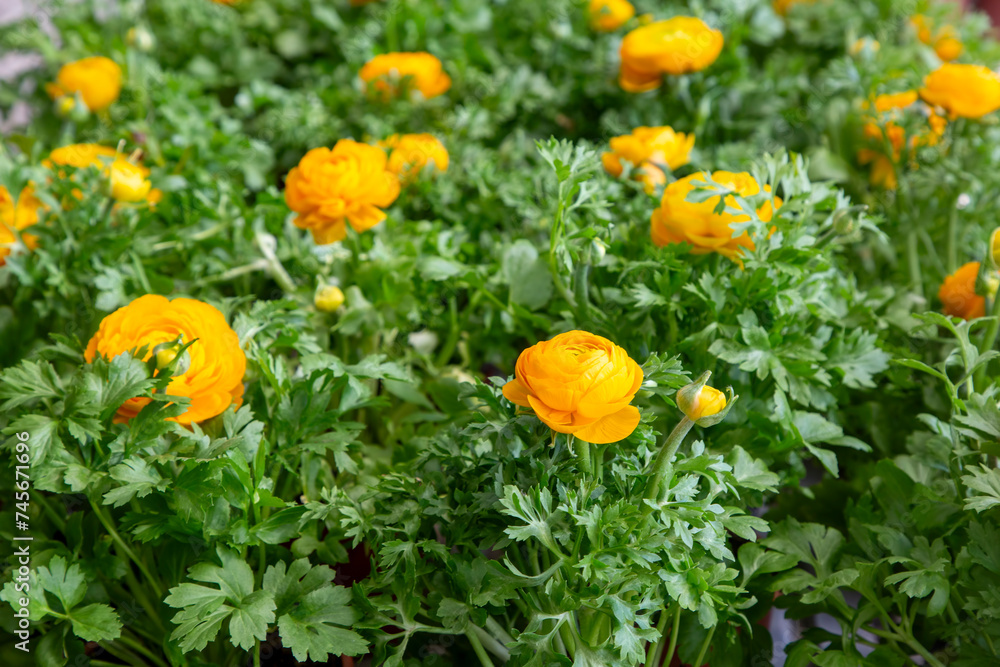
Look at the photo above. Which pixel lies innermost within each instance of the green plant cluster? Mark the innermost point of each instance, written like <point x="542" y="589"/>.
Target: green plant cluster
<point x="375" y="495"/>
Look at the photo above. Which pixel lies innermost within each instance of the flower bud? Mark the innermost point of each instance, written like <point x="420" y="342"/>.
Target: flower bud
<point x="166" y="354"/>
<point x="328" y="298"/>
<point x="704" y="405"/>
<point x="706" y="402"/>
<point x="140" y="39"/>
<point x="65" y="106"/>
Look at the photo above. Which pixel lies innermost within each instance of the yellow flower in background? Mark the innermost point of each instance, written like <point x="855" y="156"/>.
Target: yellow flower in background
<point x="421" y="71"/>
<point x="328" y="298"/>
<point x="212" y="372"/>
<point x="98" y="80"/>
<point x="15" y="216"/>
<point x="680" y="221"/>
<point x="609" y="15"/>
<point x="890" y="108"/>
<point x="958" y="293"/>
<point x="676" y="46"/>
<point x="863" y="44"/>
<point x="967" y="91"/>
<point x="650" y="150"/>
<point x="948" y="48"/>
<point x="349" y="184"/>
<point x="705" y="403"/>
<point x="882" y="172"/>
<point x="410" y="153"/>
<point x="782" y="6"/>
<point x="579" y="383"/>
<point x="129" y="182"/>
<point x="945" y="41"/>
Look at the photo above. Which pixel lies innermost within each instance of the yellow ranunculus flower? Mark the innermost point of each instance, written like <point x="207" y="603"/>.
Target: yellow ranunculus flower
<point x="958" y="293"/>
<point x="97" y="79"/>
<point x="17" y="216"/>
<point x="213" y="377"/>
<point x="579" y="383"/>
<point x="650" y="150"/>
<point x="422" y="70"/>
<point x="349" y="184"/>
<point x="967" y="91"/>
<point x="707" y="402"/>
<point x="328" y="298"/>
<point x="678" y="220"/>
<point x="410" y="153"/>
<point x="129" y="182"/>
<point x="609" y="15"/>
<point x="679" y="45"/>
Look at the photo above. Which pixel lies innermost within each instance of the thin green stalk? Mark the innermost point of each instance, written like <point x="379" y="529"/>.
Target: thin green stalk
<point x="157" y="588"/>
<point x="477" y="646"/>
<point x="675" y="631"/>
<point x="498" y="631"/>
<point x="491" y="644"/>
<point x="655" y="649"/>
<point x="913" y="262"/>
<point x="700" y="660"/>
<point x="989" y="340"/>
<point x="583" y="453"/>
<point x="139" y="648"/>
<point x="256" y="653"/>
<point x="953" y="240"/>
<point x="661" y="464"/>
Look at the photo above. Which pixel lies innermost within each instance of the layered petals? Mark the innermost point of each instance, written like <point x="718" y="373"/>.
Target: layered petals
<point x="578" y="383"/>
<point x="349" y="184"/>
<point x="213" y="375"/>
<point x="678" y="220"/>
<point x="98" y="80"/>
<point x="676" y="46"/>
<point x="391" y="73"/>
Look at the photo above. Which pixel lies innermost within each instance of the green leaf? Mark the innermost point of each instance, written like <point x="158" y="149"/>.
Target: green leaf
<point x="204" y="609"/>
<point x="66" y="583"/>
<point x="138" y="479"/>
<point x="987" y="482"/>
<point x="32" y="380"/>
<point x="312" y="614"/>
<point x="96" y="623"/>
<point x="312" y="629"/>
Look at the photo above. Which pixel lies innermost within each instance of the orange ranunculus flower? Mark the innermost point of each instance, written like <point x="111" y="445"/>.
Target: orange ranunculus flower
<point x="423" y="71"/>
<point x="678" y="220"/>
<point x="883" y="170"/>
<point x="968" y="91"/>
<point x="889" y="108"/>
<point x="97" y="79"/>
<point x="609" y="15"/>
<point x="782" y="6"/>
<point x="129" y="182"/>
<point x="410" y="153"/>
<point x="350" y="184"/>
<point x="958" y="293"/>
<point x="579" y="383"/>
<point x="650" y="150"/>
<point x="679" y="45"/>
<point x="212" y="375"/>
<point x="17" y="216"/>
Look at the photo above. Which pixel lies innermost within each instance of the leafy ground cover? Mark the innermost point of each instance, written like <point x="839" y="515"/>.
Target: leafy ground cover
<point x="482" y="333"/>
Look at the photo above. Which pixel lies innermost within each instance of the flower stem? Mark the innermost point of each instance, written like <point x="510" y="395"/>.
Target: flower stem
<point x="700" y="660"/>
<point x="913" y="260"/>
<point x="661" y="464"/>
<point x="989" y="341"/>
<point x="477" y="646"/>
